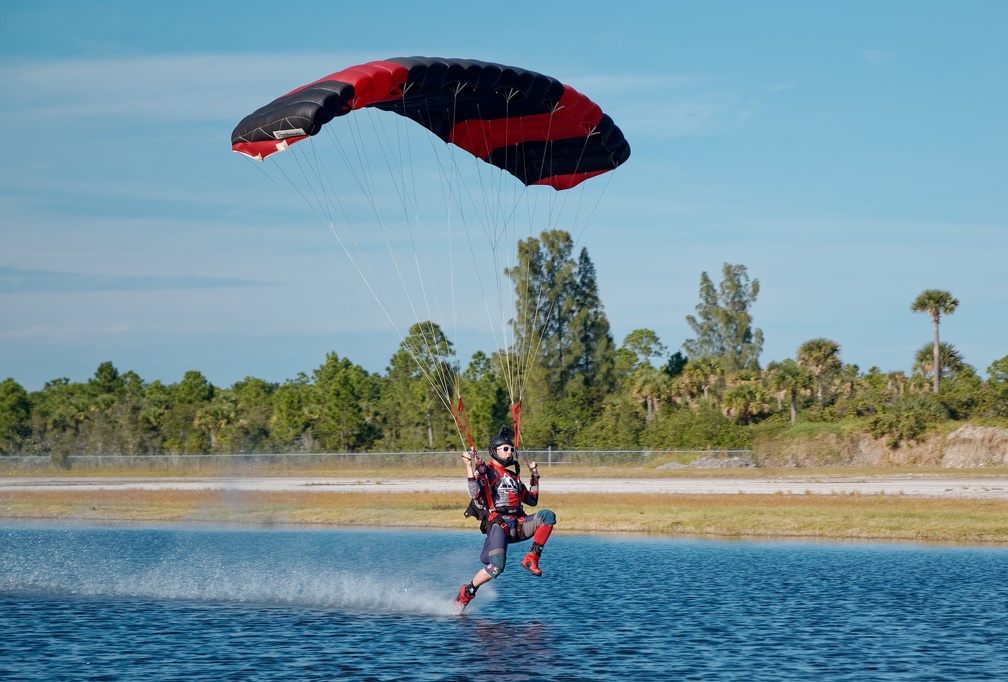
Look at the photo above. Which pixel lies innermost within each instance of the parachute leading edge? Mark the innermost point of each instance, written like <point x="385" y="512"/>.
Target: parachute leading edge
<point x="532" y="126"/>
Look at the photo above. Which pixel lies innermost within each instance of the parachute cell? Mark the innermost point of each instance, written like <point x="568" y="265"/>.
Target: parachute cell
<point x="533" y="126"/>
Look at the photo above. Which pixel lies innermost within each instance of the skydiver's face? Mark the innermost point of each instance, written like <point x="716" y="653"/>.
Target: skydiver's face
<point x="505" y="454"/>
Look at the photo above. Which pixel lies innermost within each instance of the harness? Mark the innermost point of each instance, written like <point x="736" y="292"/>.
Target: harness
<point x="483" y="508"/>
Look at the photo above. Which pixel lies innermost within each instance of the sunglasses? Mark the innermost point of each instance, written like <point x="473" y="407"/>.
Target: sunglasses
<point x="505" y="448"/>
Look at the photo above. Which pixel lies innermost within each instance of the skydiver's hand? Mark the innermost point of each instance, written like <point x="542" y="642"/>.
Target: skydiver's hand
<point x="533" y="468"/>
<point x="467" y="456"/>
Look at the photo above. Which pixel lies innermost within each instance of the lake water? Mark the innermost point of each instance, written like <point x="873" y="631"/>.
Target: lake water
<point x="85" y="602"/>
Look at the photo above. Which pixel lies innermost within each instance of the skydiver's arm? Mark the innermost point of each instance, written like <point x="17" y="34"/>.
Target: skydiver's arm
<point x="531" y="494"/>
<point x="474" y="486"/>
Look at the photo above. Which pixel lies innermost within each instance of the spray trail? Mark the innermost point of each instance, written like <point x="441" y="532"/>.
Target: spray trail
<point x="344" y="571"/>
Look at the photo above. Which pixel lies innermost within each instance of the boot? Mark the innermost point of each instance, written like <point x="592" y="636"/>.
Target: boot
<point x="531" y="560"/>
<point x="465" y="595"/>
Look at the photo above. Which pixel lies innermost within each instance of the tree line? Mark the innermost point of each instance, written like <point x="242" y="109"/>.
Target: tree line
<point x="580" y="389"/>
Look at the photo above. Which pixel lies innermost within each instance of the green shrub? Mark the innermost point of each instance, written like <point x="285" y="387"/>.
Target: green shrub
<point x="907" y="419"/>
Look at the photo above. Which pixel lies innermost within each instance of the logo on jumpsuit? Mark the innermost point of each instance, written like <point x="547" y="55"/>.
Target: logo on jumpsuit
<point x="507" y="492"/>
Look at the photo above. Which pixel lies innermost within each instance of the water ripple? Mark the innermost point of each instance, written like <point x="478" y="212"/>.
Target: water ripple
<point x="100" y="603"/>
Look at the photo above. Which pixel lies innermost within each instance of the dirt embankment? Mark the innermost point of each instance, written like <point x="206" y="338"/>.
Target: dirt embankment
<point x="967" y="447"/>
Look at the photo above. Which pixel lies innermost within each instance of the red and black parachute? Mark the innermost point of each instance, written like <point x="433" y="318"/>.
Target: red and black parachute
<point x="533" y="126"/>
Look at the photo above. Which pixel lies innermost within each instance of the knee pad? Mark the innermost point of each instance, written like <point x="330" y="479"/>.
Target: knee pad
<point x="547" y="517"/>
<point x="496" y="565"/>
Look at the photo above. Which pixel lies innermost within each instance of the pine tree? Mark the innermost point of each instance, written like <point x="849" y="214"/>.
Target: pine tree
<point x="723" y="325"/>
<point x="563" y="348"/>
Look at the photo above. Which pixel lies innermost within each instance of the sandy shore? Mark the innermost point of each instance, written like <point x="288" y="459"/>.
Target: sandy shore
<point x="910" y="485"/>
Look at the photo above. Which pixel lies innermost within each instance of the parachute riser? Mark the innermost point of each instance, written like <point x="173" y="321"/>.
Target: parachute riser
<point x="462" y="422"/>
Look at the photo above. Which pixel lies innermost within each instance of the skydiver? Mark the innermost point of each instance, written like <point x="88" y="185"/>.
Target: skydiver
<point x="497" y="498"/>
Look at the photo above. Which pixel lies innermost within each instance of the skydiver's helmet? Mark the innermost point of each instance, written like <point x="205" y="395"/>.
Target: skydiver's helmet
<point x="505" y="459"/>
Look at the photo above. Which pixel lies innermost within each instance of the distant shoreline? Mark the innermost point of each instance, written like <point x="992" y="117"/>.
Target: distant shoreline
<point x="959" y="509"/>
<point x="910" y="485"/>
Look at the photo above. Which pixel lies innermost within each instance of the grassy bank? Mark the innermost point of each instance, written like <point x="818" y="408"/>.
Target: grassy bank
<point x="426" y="469"/>
<point x="835" y="517"/>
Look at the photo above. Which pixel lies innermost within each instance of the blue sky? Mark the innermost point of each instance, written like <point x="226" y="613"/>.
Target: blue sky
<point x="850" y="155"/>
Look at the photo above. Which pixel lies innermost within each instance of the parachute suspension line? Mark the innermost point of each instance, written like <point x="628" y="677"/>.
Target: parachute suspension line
<point x="446" y="197"/>
<point x="515" y="375"/>
<point x="499" y="222"/>
<point x="410" y="213"/>
<point x="322" y="209"/>
<point x="527" y="348"/>
<point x="449" y="184"/>
<point x="426" y="358"/>
<point x="328" y="190"/>
<point x="533" y="346"/>
<point x="513" y="366"/>
<point x="594" y="206"/>
<point x="362" y="183"/>
<point x="491" y="216"/>
<point x="291" y="189"/>
<point x="448" y="375"/>
<point x="518" y="374"/>
<point x="535" y="342"/>
<point x="578" y="233"/>
<point x="578" y="229"/>
<point x="442" y="376"/>
<point x="496" y="217"/>
<point x="312" y="182"/>
<point x="366" y="182"/>
<point x="322" y="204"/>
<point x="412" y="239"/>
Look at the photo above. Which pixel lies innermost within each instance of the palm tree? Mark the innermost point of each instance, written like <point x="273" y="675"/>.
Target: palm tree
<point x="649" y="386"/>
<point x="745" y="400"/>
<point x="896" y="382"/>
<point x="791" y="379"/>
<point x="950" y="360"/>
<point x="704" y="372"/>
<point x="935" y="303"/>
<point x="820" y="356"/>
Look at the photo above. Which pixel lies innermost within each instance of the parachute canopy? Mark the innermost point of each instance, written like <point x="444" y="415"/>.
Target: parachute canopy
<point x="533" y="126"/>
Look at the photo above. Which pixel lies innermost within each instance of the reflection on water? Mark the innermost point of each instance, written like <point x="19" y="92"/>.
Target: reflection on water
<point x="90" y="602"/>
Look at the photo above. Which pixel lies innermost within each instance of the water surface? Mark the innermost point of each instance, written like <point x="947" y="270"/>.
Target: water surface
<point x="89" y="602"/>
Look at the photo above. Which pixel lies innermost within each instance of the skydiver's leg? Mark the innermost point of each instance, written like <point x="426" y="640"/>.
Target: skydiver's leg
<point x="538" y="527"/>
<point x="494" y="555"/>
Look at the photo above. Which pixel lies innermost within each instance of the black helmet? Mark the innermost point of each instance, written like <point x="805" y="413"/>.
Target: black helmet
<point x="503" y="438"/>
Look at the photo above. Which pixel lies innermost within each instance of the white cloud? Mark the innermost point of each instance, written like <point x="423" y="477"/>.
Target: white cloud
<point x="192" y="87"/>
<point x="871" y="55"/>
<point x="70" y="331"/>
<point x="215" y="87"/>
<point x="782" y="87"/>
